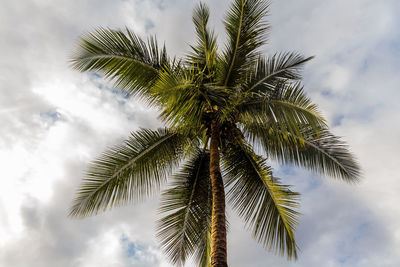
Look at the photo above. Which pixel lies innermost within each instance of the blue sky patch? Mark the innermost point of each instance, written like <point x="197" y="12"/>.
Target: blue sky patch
<point x="131" y="248"/>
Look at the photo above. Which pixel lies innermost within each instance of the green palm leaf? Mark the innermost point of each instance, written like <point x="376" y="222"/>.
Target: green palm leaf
<point x="246" y="33"/>
<point x="203" y="252"/>
<point x="282" y="66"/>
<point x="204" y="54"/>
<point x="181" y="98"/>
<point x="322" y="152"/>
<point x="129" y="172"/>
<point x="267" y="207"/>
<point x="125" y="58"/>
<point x="187" y="204"/>
<point x="282" y="105"/>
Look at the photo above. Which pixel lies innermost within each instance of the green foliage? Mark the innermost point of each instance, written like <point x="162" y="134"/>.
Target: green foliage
<point x="204" y="54"/>
<point x="130" y="171"/>
<point x="125" y="58"/>
<point x="322" y="152"/>
<point x="184" y="229"/>
<point x="246" y="29"/>
<point x="284" y="105"/>
<point x="182" y="100"/>
<point x="267" y="207"/>
<point x="255" y="100"/>
<point x="268" y="71"/>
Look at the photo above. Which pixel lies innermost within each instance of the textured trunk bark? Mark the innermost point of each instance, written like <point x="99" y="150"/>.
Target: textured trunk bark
<point x="218" y="225"/>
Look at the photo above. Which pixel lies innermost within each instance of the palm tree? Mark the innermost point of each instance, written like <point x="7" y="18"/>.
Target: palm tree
<point x="216" y="106"/>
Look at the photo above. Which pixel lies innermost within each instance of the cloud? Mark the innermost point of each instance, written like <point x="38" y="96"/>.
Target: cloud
<point x="54" y="121"/>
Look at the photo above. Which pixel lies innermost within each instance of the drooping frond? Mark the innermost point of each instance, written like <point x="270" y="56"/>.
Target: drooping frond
<point x="124" y="58"/>
<point x="322" y="152"/>
<point x="203" y="252"/>
<point x="187" y="205"/>
<point x="204" y="54"/>
<point x="267" y="206"/>
<point x="246" y="30"/>
<point x="282" y="105"/>
<point x="269" y="70"/>
<point x="129" y="172"/>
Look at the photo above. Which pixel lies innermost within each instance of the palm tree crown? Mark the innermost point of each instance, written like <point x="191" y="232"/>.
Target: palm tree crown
<point x="216" y="105"/>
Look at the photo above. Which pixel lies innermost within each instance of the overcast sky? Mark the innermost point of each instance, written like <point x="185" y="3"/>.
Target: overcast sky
<point x="54" y="121"/>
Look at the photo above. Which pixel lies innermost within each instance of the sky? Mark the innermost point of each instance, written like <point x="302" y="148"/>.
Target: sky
<point x="55" y="120"/>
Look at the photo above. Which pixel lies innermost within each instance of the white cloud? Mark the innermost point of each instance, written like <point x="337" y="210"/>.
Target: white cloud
<point x="54" y="121"/>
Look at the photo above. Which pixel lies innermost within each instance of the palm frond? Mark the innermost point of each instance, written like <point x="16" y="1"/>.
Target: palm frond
<point x="129" y="172"/>
<point x="267" y="207"/>
<point x="124" y="58"/>
<point x="203" y="252"/>
<point x="181" y="99"/>
<point x="282" y="66"/>
<point x="187" y="205"/>
<point x="204" y="54"/>
<point x="246" y="30"/>
<point x="282" y="105"/>
<point x="321" y="152"/>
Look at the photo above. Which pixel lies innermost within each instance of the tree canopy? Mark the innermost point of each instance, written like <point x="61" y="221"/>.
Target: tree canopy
<point x="244" y="98"/>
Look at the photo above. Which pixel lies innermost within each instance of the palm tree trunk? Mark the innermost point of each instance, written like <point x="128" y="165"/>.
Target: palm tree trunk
<point x="218" y="226"/>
